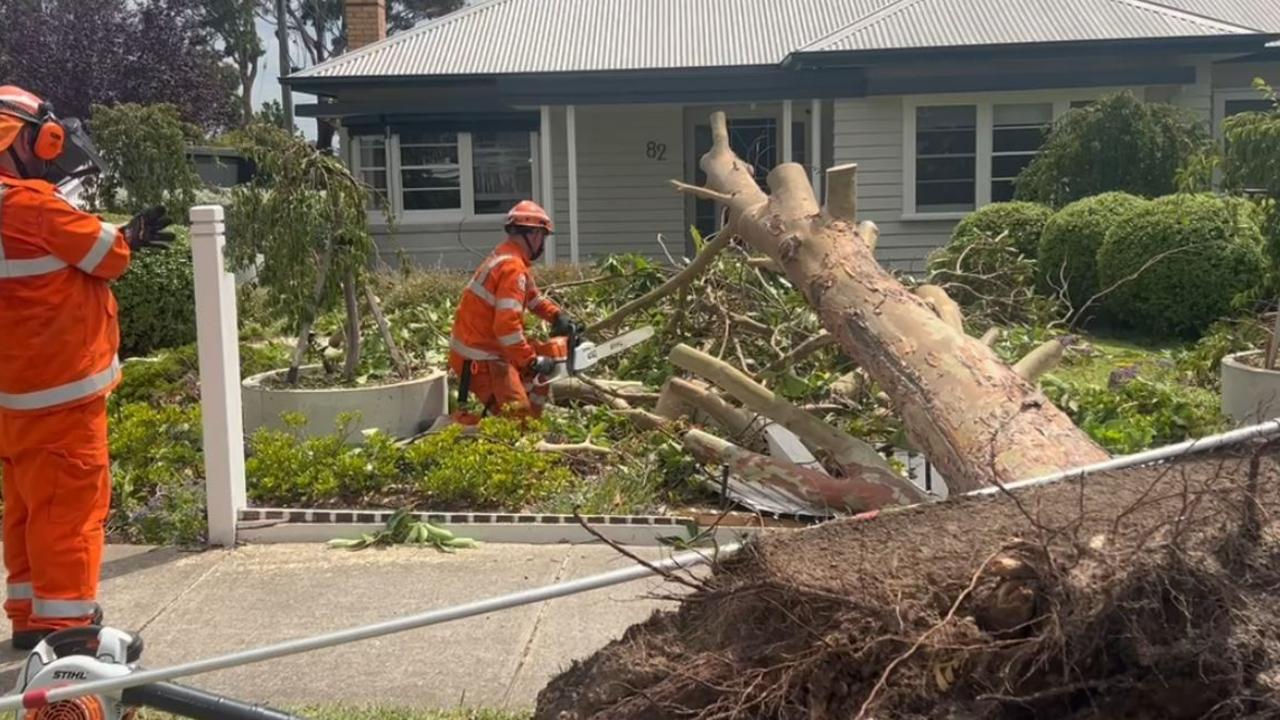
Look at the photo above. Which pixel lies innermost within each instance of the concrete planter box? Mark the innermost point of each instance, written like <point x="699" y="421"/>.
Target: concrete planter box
<point x="1250" y="395"/>
<point x="401" y="410"/>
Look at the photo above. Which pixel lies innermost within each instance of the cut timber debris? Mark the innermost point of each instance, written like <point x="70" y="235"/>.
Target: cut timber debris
<point x="859" y="461"/>
<point x="971" y="414"/>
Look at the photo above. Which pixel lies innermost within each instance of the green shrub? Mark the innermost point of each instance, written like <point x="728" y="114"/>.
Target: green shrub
<point x="496" y="467"/>
<point x="1252" y="144"/>
<point x="285" y="468"/>
<point x="1139" y="414"/>
<point x="1068" y="251"/>
<point x="1202" y="363"/>
<point x="1022" y="221"/>
<point x="157" y="299"/>
<point x="1212" y="258"/>
<point x="173" y="376"/>
<point x="1118" y="143"/>
<point x="157" y="473"/>
<point x="986" y="270"/>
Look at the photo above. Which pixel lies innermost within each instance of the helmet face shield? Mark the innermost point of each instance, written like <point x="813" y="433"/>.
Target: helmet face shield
<point x="79" y="155"/>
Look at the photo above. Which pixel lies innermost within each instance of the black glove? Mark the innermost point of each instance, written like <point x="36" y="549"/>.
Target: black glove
<point x="147" y="230"/>
<point x="542" y="365"/>
<point x="564" y="326"/>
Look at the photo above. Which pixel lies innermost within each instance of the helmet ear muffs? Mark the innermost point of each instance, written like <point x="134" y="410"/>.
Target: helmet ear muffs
<point x="49" y="140"/>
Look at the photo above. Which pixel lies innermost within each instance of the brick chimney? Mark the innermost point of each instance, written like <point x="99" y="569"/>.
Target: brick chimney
<point x="366" y="22"/>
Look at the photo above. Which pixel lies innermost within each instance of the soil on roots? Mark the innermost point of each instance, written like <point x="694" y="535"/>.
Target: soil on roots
<point x="1148" y="593"/>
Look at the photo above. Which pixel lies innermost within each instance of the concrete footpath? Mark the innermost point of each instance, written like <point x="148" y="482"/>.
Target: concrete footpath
<point x="193" y="605"/>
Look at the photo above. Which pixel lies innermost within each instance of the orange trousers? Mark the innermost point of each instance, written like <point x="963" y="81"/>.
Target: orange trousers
<point x="57" y="492"/>
<point x="500" y="388"/>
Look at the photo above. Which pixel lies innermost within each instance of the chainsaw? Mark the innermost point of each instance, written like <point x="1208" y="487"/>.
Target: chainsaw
<point x="574" y="354"/>
<point x="88" y="653"/>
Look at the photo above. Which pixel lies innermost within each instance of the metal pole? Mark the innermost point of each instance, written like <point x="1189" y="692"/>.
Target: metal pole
<point x="282" y="38"/>
<point x="46" y="696"/>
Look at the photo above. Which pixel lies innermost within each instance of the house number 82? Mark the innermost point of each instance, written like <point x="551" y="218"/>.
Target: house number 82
<point x="655" y="150"/>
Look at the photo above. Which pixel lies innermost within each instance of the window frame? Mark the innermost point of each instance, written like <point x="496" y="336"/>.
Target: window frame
<point x="466" y="171"/>
<point x="984" y="104"/>
<point x="1222" y="96"/>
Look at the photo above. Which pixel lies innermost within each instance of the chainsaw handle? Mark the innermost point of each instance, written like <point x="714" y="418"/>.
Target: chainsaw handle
<point x="188" y="702"/>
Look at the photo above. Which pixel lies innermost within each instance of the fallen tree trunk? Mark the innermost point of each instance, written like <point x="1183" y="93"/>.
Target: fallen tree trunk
<point x="811" y="486"/>
<point x="942" y="305"/>
<point x="858" y="459"/>
<point x="969" y="413"/>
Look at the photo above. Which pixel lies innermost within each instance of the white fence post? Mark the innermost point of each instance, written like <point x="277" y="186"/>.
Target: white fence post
<point x="218" y="336"/>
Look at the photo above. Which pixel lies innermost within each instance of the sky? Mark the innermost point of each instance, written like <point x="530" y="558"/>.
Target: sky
<point x="267" y="86"/>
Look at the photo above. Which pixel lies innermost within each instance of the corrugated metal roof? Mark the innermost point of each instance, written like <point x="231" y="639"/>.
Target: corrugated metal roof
<point x="1261" y="14"/>
<point x="953" y="23"/>
<point x="501" y="37"/>
<point x="543" y="36"/>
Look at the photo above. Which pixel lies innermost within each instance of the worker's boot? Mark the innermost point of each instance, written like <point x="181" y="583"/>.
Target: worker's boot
<point x="27" y="640"/>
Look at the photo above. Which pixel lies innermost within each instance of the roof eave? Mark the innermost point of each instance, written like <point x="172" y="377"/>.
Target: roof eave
<point x="813" y="60"/>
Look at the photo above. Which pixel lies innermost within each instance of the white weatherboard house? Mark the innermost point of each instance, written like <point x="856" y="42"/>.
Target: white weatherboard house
<point x="592" y="105"/>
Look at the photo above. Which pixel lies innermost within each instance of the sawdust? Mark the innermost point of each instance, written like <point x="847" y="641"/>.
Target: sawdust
<point x="1150" y="593"/>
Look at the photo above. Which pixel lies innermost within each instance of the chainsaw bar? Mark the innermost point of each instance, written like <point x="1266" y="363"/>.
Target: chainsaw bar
<point x="622" y="342"/>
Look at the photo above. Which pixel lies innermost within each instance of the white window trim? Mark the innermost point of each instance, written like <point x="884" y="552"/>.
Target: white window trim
<point x="985" y="104"/>
<point x="466" y="178"/>
<point x="1221" y="96"/>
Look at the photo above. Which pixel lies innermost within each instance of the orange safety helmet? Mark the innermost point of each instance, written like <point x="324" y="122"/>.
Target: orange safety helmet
<point x="19" y="108"/>
<point x="530" y="214"/>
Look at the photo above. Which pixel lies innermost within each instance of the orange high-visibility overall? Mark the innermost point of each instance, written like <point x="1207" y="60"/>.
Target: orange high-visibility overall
<point x="488" y="334"/>
<point x="57" y="364"/>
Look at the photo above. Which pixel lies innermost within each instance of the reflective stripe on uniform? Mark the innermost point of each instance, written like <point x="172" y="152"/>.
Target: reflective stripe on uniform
<point x="509" y="304"/>
<point x="29" y="267"/>
<point x="85" y="387"/>
<point x="482" y="293"/>
<point x="26" y="267"/>
<point x="101" y="246"/>
<point x="537" y="301"/>
<point x="483" y="273"/>
<point x="469" y="352"/>
<point x="514" y="338"/>
<point x="43" y="608"/>
<point x="19" y="591"/>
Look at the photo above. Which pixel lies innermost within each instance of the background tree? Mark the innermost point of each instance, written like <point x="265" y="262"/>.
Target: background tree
<point x="235" y="24"/>
<point x="320" y="27"/>
<point x="80" y="53"/>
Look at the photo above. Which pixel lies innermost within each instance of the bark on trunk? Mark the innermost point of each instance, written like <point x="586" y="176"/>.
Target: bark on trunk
<point x="975" y="419"/>
<point x="384" y="329"/>
<point x="352" y="301"/>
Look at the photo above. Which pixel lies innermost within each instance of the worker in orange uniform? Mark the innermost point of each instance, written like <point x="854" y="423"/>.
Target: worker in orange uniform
<point x="489" y="352"/>
<point x="57" y="364"/>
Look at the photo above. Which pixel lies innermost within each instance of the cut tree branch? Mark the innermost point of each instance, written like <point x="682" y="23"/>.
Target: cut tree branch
<point x="701" y="192"/>
<point x="384" y="329"/>
<point x="842" y="192"/>
<point x="942" y="305"/>
<point x="1043" y="359"/>
<point x="680" y="280"/>
<point x="822" y="340"/>
<point x="859" y="460"/>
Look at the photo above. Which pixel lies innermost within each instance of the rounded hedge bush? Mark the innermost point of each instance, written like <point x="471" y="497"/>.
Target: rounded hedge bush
<point x="1069" y="246"/>
<point x="1023" y="221"/>
<point x="1185" y="291"/>
<point x="157" y="299"/>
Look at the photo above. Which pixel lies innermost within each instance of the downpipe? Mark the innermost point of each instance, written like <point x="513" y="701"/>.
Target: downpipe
<point x="1267" y="429"/>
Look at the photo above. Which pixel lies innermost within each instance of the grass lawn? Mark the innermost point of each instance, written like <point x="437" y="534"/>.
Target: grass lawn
<point x="1097" y="356"/>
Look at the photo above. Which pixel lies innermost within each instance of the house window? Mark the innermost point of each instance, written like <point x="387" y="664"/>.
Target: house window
<point x="446" y="176"/>
<point x="372" y="165"/>
<point x="503" y="171"/>
<point x="963" y="152"/>
<point x="1017" y="133"/>
<point x="946" y="158"/>
<point x="430" y="171"/>
<point x="1239" y="107"/>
